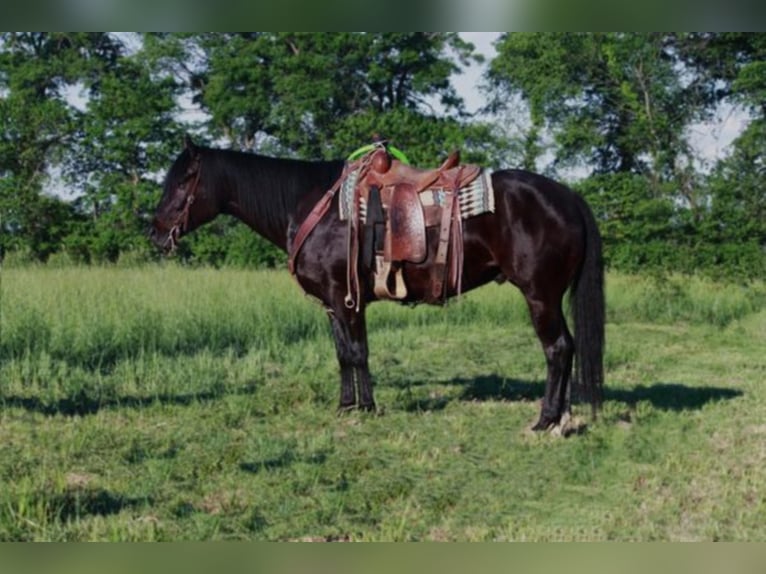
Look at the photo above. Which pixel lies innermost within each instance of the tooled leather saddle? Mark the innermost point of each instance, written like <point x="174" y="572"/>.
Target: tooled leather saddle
<point x="405" y="218"/>
<point x="389" y="205"/>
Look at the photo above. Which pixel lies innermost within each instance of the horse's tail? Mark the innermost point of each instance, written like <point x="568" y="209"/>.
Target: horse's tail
<point x="587" y="297"/>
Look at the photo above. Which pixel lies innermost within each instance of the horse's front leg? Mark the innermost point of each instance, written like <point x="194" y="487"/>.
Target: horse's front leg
<point x="349" y="330"/>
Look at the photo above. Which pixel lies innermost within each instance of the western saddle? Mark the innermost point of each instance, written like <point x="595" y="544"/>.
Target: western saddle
<point x="399" y="188"/>
<point x="391" y="206"/>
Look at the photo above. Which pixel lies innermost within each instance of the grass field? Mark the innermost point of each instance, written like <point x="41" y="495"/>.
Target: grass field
<point x="165" y="403"/>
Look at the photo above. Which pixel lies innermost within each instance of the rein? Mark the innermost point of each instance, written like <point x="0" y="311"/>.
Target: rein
<point x="182" y="221"/>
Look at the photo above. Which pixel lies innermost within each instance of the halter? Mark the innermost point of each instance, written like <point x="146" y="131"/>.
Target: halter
<point x="182" y="221"/>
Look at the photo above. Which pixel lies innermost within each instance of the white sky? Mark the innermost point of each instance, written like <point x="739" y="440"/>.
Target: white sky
<point x="467" y="83"/>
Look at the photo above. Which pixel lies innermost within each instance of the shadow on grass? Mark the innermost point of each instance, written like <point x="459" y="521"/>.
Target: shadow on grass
<point x="84" y="403"/>
<point x="285" y="459"/>
<point x="495" y="387"/>
<point x="65" y="507"/>
<point x="484" y="388"/>
<point x="663" y="396"/>
<point x="672" y="396"/>
<point x="76" y="503"/>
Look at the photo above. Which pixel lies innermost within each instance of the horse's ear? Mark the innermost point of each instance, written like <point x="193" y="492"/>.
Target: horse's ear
<point x="194" y="155"/>
<point x="189" y="144"/>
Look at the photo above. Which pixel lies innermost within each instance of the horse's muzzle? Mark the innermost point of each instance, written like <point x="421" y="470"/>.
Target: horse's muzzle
<point x="163" y="240"/>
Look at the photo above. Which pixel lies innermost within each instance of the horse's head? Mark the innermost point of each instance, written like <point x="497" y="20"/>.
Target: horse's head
<point x="187" y="201"/>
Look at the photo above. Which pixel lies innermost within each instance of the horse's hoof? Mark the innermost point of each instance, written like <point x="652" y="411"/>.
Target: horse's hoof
<point x="345" y="409"/>
<point x="569" y="426"/>
<point x="565" y="426"/>
<point x="544" y="424"/>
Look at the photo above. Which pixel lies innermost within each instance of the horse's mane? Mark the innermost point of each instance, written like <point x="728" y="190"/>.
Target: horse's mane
<point x="266" y="189"/>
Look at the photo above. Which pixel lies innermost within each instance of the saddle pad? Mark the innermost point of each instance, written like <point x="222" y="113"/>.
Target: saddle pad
<point x="346" y="195"/>
<point x="476" y="198"/>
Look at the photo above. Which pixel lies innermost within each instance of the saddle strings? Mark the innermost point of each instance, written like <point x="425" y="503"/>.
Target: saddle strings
<point x="353" y="290"/>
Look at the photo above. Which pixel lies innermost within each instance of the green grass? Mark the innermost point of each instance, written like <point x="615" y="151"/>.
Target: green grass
<point x="164" y="404"/>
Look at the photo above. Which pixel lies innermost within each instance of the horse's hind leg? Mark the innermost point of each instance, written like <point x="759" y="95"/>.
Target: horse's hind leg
<point x="558" y="346"/>
<point x="350" y="334"/>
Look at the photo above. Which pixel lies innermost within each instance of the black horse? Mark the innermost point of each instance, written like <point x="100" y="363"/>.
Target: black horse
<point x="542" y="237"/>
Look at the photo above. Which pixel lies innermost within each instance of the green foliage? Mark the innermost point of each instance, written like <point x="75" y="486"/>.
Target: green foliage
<point x="91" y="122"/>
<point x="622" y="106"/>
<point x="80" y="103"/>
<point x="738" y="196"/>
<point x="294" y="91"/>
<point x="613" y="101"/>
<point x="426" y="140"/>
<point x="642" y="232"/>
<point x="228" y="242"/>
<point x="38" y="126"/>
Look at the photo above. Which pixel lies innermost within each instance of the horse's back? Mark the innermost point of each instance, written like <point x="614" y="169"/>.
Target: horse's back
<point x="541" y="226"/>
<point x="533" y="194"/>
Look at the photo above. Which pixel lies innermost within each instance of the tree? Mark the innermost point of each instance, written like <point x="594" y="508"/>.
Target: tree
<point x="89" y="109"/>
<point x="128" y="136"/>
<point x="613" y="102"/>
<point x="621" y="105"/>
<point x="319" y="95"/>
<point x="37" y="124"/>
<point x="735" y="68"/>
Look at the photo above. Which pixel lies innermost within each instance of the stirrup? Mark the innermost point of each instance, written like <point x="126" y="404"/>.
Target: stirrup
<point x="382" y="273"/>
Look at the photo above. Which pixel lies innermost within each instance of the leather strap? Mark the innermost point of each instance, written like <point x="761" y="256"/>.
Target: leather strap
<point x="450" y="244"/>
<point x="456" y="247"/>
<point x="440" y="263"/>
<point x="181" y="223"/>
<point x="308" y="225"/>
<point x="352" y="299"/>
<point x="319" y="210"/>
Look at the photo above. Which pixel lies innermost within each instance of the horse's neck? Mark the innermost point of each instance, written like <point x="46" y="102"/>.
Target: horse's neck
<point x="243" y="203"/>
<point x="267" y="203"/>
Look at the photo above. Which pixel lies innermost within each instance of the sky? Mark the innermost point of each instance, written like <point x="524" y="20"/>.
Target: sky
<point x="467" y="83"/>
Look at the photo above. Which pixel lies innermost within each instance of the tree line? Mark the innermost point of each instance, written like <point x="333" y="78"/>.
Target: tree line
<point x="91" y="121"/>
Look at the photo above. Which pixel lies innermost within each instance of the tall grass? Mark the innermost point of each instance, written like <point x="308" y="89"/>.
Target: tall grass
<point x="96" y="329"/>
<point x="94" y="317"/>
<point x="678" y="298"/>
<point x="97" y="316"/>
